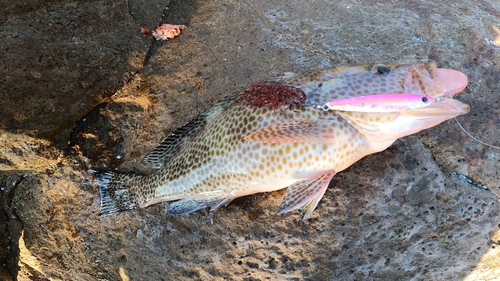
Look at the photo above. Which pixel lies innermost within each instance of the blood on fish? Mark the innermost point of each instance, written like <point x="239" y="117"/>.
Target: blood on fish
<point x="272" y="95"/>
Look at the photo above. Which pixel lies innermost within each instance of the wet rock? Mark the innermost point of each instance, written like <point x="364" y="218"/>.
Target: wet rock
<point x="99" y="135"/>
<point x="60" y="59"/>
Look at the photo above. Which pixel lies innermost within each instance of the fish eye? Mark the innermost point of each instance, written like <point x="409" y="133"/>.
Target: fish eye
<point x="425" y="99"/>
<point x="382" y="70"/>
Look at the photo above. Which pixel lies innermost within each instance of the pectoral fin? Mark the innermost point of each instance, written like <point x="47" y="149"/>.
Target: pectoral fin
<point x="305" y="195"/>
<point x="374" y="125"/>
<point x="292" y="131"/>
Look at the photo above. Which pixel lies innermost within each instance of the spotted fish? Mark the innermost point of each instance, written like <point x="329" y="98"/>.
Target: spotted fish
<point x="268" y="137"/>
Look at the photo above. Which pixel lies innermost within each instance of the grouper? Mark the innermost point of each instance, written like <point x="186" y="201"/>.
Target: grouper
<point x="273" y="136"/>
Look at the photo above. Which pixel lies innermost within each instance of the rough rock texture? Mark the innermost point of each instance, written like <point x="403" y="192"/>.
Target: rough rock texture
<point x="79" y="72"/>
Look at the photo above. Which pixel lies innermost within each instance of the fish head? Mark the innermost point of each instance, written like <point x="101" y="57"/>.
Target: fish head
<point x="425" y="79"/>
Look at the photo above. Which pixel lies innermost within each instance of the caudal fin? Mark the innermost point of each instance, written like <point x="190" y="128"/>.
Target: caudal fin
<point x="115" y="192"/>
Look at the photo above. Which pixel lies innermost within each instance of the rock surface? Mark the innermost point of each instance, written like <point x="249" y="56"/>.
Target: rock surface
<point x="80" y="73"/>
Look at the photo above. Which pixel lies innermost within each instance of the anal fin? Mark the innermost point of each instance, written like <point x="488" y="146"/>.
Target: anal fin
<point x="305" y="195"/>
<point x="189" y="205"/>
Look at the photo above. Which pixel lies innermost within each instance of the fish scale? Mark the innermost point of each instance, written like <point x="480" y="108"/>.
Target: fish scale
<point x="266" y="138"/>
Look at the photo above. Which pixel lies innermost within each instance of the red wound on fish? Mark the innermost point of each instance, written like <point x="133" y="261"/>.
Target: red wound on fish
<point x="272" y="95"/>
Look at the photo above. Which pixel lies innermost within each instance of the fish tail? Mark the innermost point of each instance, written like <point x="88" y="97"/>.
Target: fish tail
<point x="115" y="192"/>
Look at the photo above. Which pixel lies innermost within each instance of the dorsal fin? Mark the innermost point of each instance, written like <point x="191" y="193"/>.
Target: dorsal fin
<point x="171" y="145"/>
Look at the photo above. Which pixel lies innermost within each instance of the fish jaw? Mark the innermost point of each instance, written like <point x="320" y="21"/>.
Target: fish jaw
<point x="453" y="81"/>
<point x="413" y="121"/>
<point x="435" y="82"/>
<point x="388" y="127"/>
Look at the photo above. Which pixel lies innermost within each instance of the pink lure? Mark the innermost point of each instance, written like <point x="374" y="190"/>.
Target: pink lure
<point x="380" y="103"/>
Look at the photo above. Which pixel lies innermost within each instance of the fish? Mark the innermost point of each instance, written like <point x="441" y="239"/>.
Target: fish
<point x="268" y="137"/>
<point x="380" y="103"/>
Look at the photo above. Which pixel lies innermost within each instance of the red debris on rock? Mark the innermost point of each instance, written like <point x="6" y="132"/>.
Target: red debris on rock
<point x="272" y="95"/>
<point x="145" y="30"/>
<point x="165" y="31"/>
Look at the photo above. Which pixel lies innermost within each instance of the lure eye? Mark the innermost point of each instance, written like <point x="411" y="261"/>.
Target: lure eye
<point x="381" y="70"/>
<point x="425" y="100"/>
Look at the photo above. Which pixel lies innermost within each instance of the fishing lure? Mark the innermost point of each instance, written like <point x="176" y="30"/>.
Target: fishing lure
<point x="379" y="103"/>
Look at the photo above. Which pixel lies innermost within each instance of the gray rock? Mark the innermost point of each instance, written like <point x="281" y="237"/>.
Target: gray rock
<point x="80" y="73"/>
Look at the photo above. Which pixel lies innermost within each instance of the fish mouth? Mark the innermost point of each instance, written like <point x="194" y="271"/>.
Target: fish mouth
<point x="453" y="81"/>
<point x="445" y="107"/>
<point x="431" y="80"/>
<point x="450" y="82"/>
<point x="434" y="114"/>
